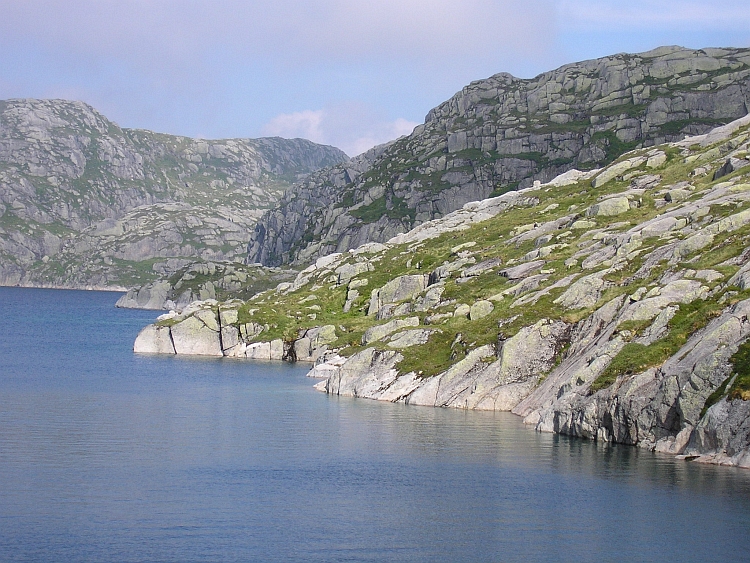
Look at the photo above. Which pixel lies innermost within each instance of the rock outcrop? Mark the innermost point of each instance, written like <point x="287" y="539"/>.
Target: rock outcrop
<point x="486" y="379"/>
<point x="211" y="328"/>
<point x="629" y="327"/>
<point x="505" y="133"/>
<point x="85" y="203"/>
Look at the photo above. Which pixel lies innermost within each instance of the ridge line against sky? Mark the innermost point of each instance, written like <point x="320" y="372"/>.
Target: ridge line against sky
<point x="349" y="73"/>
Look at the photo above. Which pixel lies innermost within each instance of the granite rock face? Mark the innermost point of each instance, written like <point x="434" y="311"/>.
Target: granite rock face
<point x="488" y="378"/>
<point x="85" y="203"/>
<point x="659" y="408"/>
<point x="630" y="328"/>
<point x="211" y="328"/>
<point x="503" y="133"/>
<point x="550" y="373"/>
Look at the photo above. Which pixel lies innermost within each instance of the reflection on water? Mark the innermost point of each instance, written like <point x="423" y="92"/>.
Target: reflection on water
<point x="108" y="456"/>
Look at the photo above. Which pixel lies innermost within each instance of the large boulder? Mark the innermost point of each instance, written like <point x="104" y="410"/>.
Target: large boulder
<point x="409" y="338"/>
<point x="480" y="309"/>
<point x="609" y="207"/>
<point x="154" y="339"/>
<point x="398" y="289"/>
<point x="193" y="336"/>
<point x="731" y="165"/>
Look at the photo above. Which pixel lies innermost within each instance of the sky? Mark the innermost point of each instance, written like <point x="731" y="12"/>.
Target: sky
<point x="348" y="73"/>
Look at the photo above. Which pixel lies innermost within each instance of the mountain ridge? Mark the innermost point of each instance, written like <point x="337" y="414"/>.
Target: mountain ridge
<point x="504" y="133"/>
<point x="84" y="202"/>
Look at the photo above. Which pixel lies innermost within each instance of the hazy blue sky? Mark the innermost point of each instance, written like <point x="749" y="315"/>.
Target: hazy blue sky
<point x="349" y="73"/>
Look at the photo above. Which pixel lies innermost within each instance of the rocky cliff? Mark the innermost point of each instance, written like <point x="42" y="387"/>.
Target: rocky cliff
<point x="611" y="304"/>
<point x="84" y="202"/>
<point x="504" y="133"/>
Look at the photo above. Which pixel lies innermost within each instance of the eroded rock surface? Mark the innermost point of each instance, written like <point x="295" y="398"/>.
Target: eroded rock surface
<point x="629" y="328"/>
<point x="504" y="132"/>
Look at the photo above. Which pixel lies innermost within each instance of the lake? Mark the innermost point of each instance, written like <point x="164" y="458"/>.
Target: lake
<point x="115" y="457"/>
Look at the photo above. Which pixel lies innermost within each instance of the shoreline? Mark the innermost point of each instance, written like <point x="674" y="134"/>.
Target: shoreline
<point x="326" y="365"/>
<point x="109" y="289"/>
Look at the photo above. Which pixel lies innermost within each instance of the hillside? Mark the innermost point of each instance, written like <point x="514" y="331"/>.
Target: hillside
<point x="84" y="202"/>
<point x="612" y="304"/>
<point x="504" y="133"/>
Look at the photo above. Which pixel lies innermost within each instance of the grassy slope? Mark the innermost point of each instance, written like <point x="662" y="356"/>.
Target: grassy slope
<point x="320" y="301"/>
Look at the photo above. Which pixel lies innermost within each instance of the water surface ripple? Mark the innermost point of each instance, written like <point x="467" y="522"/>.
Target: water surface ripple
<point x="114" y="457"/>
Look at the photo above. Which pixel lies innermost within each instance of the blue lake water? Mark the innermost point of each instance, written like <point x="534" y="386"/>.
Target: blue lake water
<point x="115" y="457"/>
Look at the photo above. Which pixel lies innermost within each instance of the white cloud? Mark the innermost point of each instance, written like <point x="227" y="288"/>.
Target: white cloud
<point x="382" y="134"/>
<point x="305" y="124"/>
<point x="639" y="14"/>
<point x="226" y="67"/>
<point x="351" y="127"/>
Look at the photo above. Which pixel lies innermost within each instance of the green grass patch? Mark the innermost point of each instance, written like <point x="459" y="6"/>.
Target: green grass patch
<point x="432" y="358"/>
<point x="676" y="127"/>
<point x="740" y="361"/>
<point x="393" y="208"/>
<point x="501" y="189"/>
<point x="613" y="147"/>
<point x="628" y="108"/>
<point x="725" y="246"/>
<point x="636" y="357"/>
<point x="636" y="327"/>
<point x="347" y="200"/>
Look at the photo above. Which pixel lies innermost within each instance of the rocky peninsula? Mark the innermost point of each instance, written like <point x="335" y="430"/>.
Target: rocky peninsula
<point x="610" y="304"/>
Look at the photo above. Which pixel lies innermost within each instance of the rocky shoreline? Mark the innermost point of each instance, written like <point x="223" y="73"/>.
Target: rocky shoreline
<point x="622" y="318"/>
<point x="603" y="293"/>
<point x="659" y="410"/>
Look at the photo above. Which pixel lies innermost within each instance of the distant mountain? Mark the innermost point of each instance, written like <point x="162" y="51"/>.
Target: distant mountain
<point x="501" y="134"/>
<point x="84" y="202"/>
